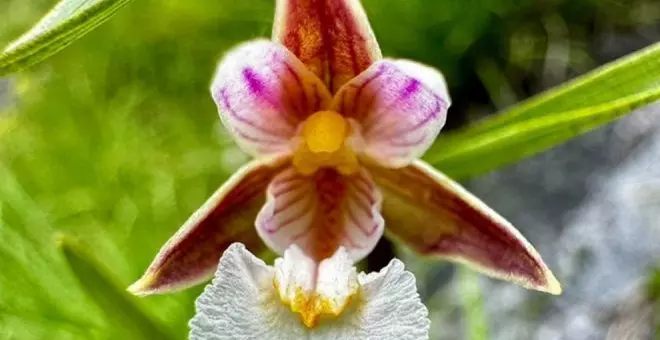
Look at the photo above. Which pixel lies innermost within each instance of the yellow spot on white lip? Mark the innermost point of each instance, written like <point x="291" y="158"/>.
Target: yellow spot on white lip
<point x="312" y="306"/>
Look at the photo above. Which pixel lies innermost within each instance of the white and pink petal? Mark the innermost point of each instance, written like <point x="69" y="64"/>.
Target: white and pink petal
<point x="322" y="212"/>
<point x="400" y="107"/>
<point x="263" y="92"/>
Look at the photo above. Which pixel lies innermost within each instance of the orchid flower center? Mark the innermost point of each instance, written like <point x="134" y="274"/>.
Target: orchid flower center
<point x="324" y="135"/>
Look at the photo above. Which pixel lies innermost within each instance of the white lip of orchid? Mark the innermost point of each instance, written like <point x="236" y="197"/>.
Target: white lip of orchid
<point x="243" y="303"/>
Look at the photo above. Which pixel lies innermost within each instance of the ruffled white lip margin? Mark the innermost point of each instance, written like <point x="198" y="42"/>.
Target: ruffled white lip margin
<point x="299" y="299"/>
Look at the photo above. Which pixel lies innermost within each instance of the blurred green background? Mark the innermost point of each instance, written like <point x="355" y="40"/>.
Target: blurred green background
<point x="111" y="144"/>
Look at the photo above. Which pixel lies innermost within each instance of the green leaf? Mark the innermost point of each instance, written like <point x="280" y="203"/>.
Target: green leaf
<point x="470" y="294"/>
<point x="37" y="299"/>
<point x="68" y="21"/>
<point x="653" y="292"/>
<point x="123" y="315"/>
<point x="552" y="117"/>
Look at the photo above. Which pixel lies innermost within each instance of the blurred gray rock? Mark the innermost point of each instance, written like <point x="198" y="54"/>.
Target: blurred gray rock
<point x="591" y="207"/>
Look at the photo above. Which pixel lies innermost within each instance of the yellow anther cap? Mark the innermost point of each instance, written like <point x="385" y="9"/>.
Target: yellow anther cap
<point x="325" y="131"/>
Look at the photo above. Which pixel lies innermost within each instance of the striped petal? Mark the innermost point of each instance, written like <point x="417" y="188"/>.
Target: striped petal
<point x="191" y="255"/>
<point x="437" y="217"/>
<point x="332" y="37"/>
<point x="322" y="212"/>
<point x="263" y="92"/>
<point x="399" y="105"/>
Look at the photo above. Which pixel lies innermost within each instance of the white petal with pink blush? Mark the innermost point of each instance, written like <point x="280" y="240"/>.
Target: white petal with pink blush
<point x="263" y="92"/>
<point x="399" y="106"/>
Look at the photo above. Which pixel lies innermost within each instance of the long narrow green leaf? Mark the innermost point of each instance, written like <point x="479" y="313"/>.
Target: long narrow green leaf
<point x="512" y="142"/>
<point x="632" y="74"/>
<point x="653" y="293"/>
<point x="35" y="297"/>
<point x="123" y="315"/>
<point x="552" y="117"/>
<point x="476" y="322"/>
<point x="68" y="21"/>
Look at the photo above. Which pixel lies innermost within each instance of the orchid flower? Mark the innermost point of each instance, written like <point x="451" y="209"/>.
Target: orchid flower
<point x="300" y="299"/>
<point x="336" y="132"/>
